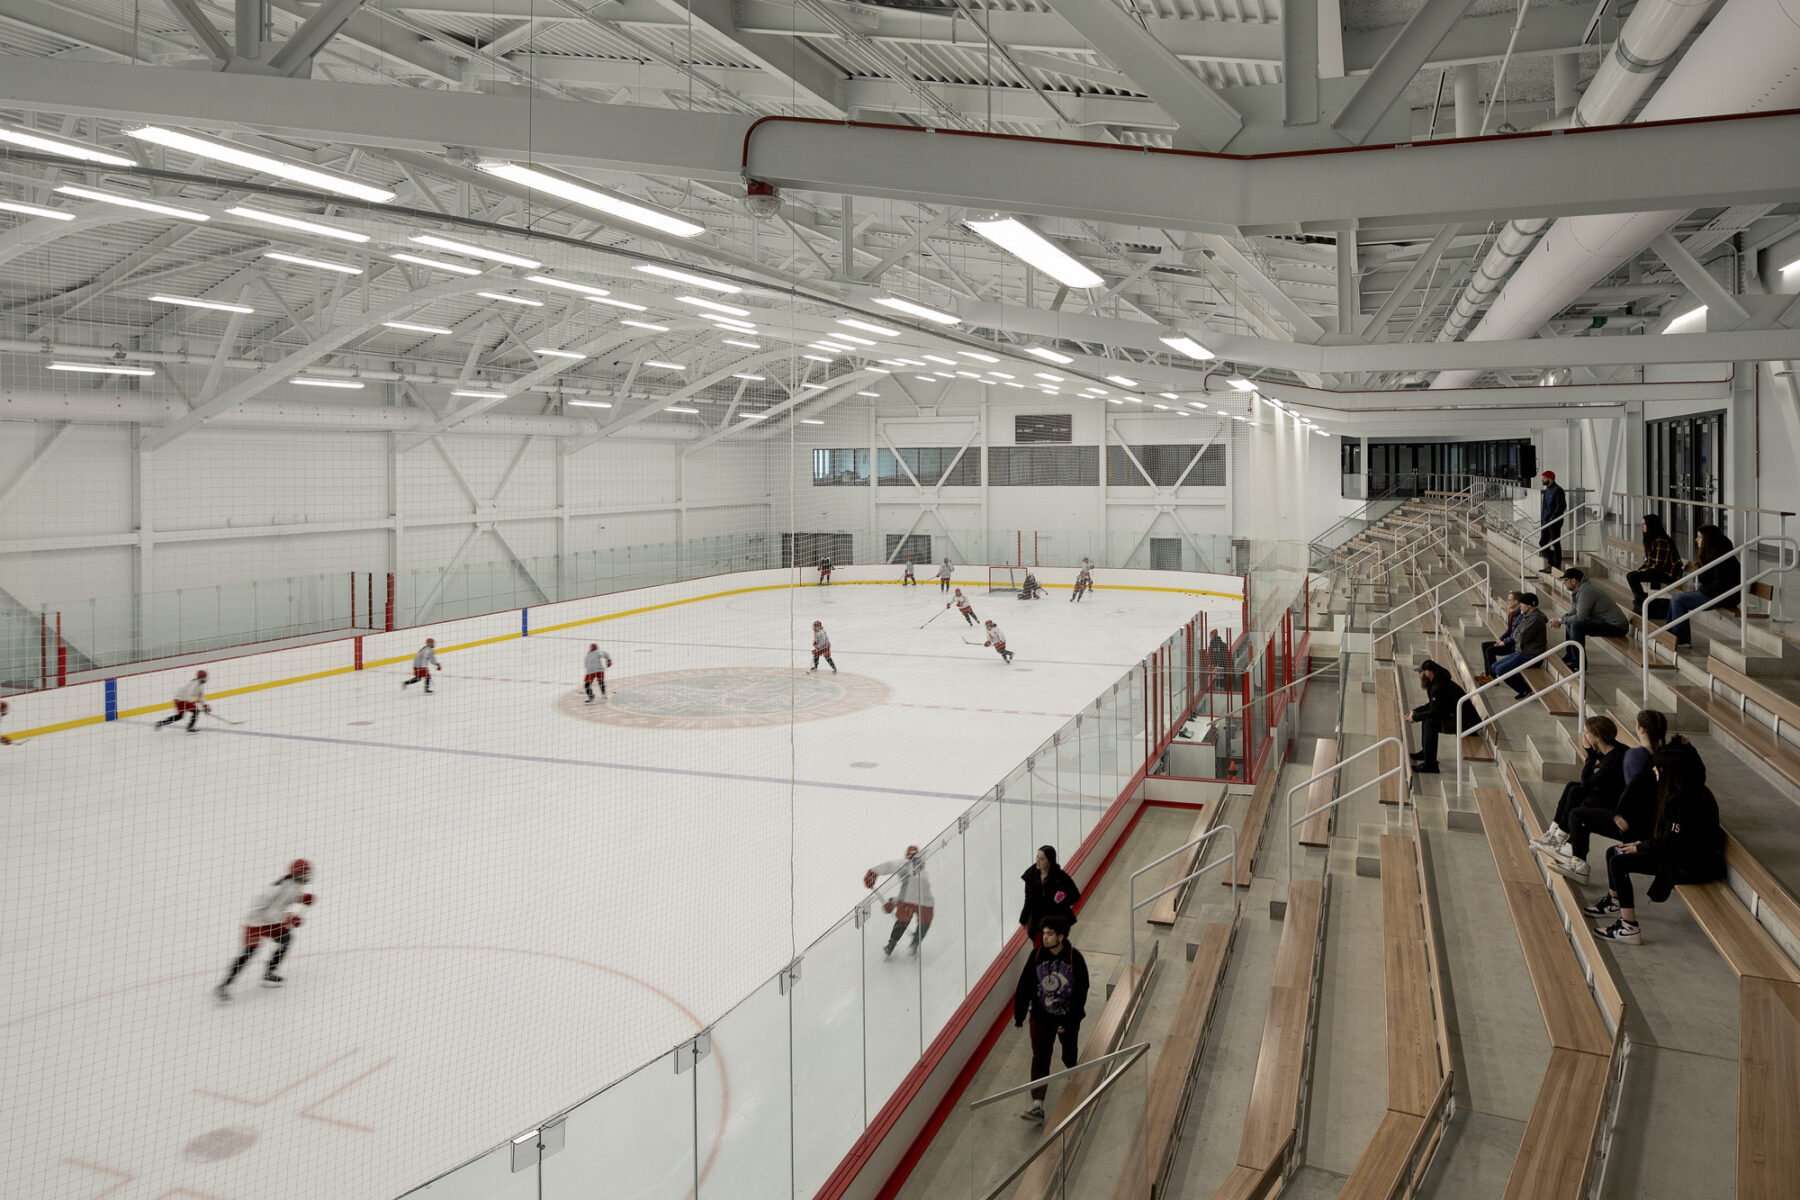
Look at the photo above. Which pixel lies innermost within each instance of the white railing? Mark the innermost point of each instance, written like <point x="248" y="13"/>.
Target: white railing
<point x="1632" y="506"/>
<point x="1438" y="600"/>
<point x="1131" y="887"/>
<point x="1432" y="539"/>
<point x="1295" y="822"/>
<point x="1787" y="558"/>
<point x="1596" y="517"/>
<point x="1580" y="698"/>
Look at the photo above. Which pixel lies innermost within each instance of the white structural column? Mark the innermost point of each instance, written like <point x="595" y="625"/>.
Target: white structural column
<point x="1468" y="102"/>
<point x="1300" y="67"/>
<point x="1206" y="120"/>
<point x="1402" y="60"/>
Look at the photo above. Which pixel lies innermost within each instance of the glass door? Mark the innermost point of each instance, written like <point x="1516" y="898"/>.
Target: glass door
<point x="1683" y="461"/>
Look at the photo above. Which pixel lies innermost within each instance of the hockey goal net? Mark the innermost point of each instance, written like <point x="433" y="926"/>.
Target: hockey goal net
<point x="1005" y="579"/>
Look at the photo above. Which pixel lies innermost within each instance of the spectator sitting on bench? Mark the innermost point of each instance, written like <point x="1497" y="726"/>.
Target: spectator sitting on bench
<point x="1531" y="637"/>
<point x="1589" y="804"/>
<point x="1502" y="644"/>
<point x="1719" y="575"/>
<point x="1437" y="715"/>
<point x="1686" y="846"/>
<point x="1594" y="614"/>
<point x="1661" y="565"/>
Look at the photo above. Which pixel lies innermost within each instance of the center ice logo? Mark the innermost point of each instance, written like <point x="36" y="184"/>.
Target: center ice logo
<point x="727" y="698"/>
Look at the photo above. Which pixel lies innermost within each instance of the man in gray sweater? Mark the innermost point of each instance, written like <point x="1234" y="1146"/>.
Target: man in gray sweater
<point x="1594" y="614"/>
<point x="1530" y="638"/>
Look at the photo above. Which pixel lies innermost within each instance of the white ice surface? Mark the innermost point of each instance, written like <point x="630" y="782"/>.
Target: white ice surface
<point x="516" y="904"/>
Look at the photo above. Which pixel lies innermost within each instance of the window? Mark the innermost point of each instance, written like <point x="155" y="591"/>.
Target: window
<point x="1044" y="466"/>
<point x="806" y="549"/>
<point x="1165" y="465"/>
<point x="928" y="464"/>
<point x="917" y="546"/>
<point x="1046" y="427"/>
<point x="840" y="468"/>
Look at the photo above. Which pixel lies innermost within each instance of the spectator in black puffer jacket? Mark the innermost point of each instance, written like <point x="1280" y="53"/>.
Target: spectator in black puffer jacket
<point x="1437" y="715"/>
<point x="1688" y="846"/>
<point x="1048" y="891"/>
<point x="1588" y="804"/>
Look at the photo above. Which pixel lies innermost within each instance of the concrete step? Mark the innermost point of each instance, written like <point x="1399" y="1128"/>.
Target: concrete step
<point x="1765" y="652"/>
<point x="1550" y="759"/>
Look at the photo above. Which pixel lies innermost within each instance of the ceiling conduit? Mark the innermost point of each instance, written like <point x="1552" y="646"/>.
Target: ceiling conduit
<point x="1746" y="61"/>
<point x="1652" y="34"/>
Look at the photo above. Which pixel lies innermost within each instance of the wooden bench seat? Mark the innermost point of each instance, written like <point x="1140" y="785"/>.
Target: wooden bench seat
<point x="1164" y="910"/>
<point x="1475" y="746"/>
<point x="1768" y="1153"/>
<point x="1412" y="1051"/>
<point x="1745" y="946"/>
<point x="1177" y="1063"/>
<point x="1256" y="815"/>
<point x="1755" y="737"/>
<point x="1755" y="690"/>
<point x="1390" y="723"/>
<point x="1382" y="1168"/>
<point x="1557" y="1153"/>
<point x="1316" y="829"/>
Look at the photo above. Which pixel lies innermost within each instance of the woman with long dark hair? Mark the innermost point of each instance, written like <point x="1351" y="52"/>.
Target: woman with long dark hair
<point x="1661" y="565"/>
<point x="1719" y="577"/>
<point x="1686" y="845"/>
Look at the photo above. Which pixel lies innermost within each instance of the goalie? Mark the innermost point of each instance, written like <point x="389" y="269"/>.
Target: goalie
<point x="1031" y="589"/>
<point x="913" y="900"/>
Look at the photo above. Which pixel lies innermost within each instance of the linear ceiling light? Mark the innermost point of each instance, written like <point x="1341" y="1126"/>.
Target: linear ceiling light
<point x="568" y="285"/>
<point x="850" y="337"/>
<point x="167" y="210"/>
<point x="477" y="394"/>
<point x="1693" y="318"/>
<point x="321" y="264"/>
<point x="1044" y="352"/>
<point x="733" y="325"/>
<point x="701" y="281"/>
<point x="918" y="310"/>
<point x="34" y="210"/>
<point x="745" y="345"/>
<point x="411" y="328"/>
<point x="1122" y="381"/>
<point x="102" y="368"/>
<point x="1196" y="404"/>
<point x="978" y="356"/>
<point x="664" y="366"/>
<point x="810" y="421"/>
<point x="938" y="358"/>
<point x="505" y="299"/>
<point x="474" y="251"/>
<point x="1168" y="395"/>
<point x="874" y="395"/>
<point x="626" y="304"/>
<point x="349" y="385"/>
<point x="753" y="416"/>
<point x="1023" y="242"/>
<point x="547" y="352"/>
<point x="588" y="403"/>
<point x="1793" y="266"/>
<point x="33" y="140"/>
<point x="435" y="264"/>
<point x="871" y="327"/>
<point x="589" y="196"/>
<point x="650" y="325"/>
<point x="1047" y="375"/>
<point x="751" y="378"/>
<point x="1187" y="346"/>
<point x="196" y="302"/>
<point x="287" y="222"/>
<point x="676" y="408"/>
<point x="818" y="358"/>
<point x="1241" y="384"/>
<point x="265" y="164"/>
<point x="713" y="305"/>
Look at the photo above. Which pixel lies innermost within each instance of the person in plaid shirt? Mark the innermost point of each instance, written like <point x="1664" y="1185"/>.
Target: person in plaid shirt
<point x="1661" y="565"/>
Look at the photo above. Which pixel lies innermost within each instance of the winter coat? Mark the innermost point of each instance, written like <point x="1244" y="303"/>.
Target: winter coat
<point x="1531" y="636"/>
<point x="1044" y="897"/>
<point x="1553" y="505"/>
<point x="1442" y="695"/>
<point x="1689" y="845"/>
<point x="1719" y="577"/>
<point x="1603" y="777"/>
<point x="1052" y="988"/>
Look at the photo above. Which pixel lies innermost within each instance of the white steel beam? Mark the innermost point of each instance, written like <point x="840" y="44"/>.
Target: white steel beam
<point x="37" y="461"/>
<point x="202" y="27"/>
<point x="1723" y="309"/>
<point x="1402" y="60"/>
<point x="807" y="77"/>
<point x="1305" y="328"/>
<point x="386" y="39"/>
<point x="658" y="403"/>
<point x="1421" y="265"/>
<point x="320" y="27"/>
<point x="1300" y="61"/>
<point x="794" y="401"/>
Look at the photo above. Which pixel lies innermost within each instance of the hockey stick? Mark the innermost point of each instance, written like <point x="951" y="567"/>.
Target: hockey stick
<point x="967" y="642"/>
<point x="215" y="716"/>
<point x="934" y="616"/>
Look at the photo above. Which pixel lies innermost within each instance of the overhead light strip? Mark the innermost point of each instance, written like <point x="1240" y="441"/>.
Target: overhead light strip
<point x="239" y="156"/>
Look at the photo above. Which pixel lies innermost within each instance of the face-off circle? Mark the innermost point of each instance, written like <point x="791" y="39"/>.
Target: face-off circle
<point x="726" y="698"/>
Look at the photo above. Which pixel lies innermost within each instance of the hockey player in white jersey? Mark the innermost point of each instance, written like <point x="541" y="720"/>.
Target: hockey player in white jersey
<point x="914" y="898"/>
<point x="997" y="640"/>
<point x="597" y="662"/>
<point x="963" y="606"/>
<point x="944" y="573"/>
<point x="1083" y="582"/>
<point x="269" y="919"/>
<point x="423" y="662"/>
<point x="190" y="702"/>
<point x="908" y="579"/>
<point x="821" y="648"/>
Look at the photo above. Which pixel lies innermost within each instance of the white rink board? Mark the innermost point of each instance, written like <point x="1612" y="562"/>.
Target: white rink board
<point x="517" y="904"/>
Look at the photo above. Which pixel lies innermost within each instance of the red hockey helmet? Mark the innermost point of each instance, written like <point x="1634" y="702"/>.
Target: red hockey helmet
<point x="593" y="645"/>
<point x="200" y="675"/>
<point x="300" y="869"/>
<point x="818" y="624"/>
<point x="912" y="852"/>
<point x="989" y="624"/>
<point x="431" y="641"/>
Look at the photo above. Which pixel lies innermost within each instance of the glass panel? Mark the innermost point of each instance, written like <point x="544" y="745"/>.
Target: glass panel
<point x="892" y="1033"/>
<point x="987" y="879"/>
<point x="634" y="1141"/>
<point x="1017" y="849"/>
<point x="489" y="1177"/>
<point x="829" y="1096"/>
<point x="943" y="963"/>
<point x="742" y="1101"/>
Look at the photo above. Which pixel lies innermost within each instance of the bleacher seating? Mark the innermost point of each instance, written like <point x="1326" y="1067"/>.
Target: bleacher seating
<point x="1475" y="746"/>
<point x="1255" y="817"/>
<point x="1316" y="829"/>
<point x="1164" y="910"/>
<point x="1756" y="738"/>
<point x="1390" y="713"/>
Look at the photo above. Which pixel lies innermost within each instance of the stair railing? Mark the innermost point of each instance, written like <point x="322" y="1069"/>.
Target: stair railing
<point x="1787" y="558"/>
<point x="1131" y="889"/>
<point x="1581" y="669"/>
<point x="1438" y="600"/>
<point x="1294" y="822"/>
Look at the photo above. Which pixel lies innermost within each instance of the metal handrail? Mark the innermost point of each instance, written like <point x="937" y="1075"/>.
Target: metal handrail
<point x="1242" y="708"/>
<point x="1041" y="1080"/>
<point x="1131" y="885"/>
<point x="1052" y="1135"/>
<point x="1598" y="517"/>
<point x="1788" y="559"/>
<point x="1580" y="698"/>
<point x="1294" y="821"/>
<point x="1437" y="604"/>
<point x="1434" y="539"/>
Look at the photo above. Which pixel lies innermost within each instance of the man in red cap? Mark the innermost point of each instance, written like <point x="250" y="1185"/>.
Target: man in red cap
<point x="1550" y="522"/>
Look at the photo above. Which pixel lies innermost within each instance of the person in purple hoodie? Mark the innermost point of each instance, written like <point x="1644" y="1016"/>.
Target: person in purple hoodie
<point x="1052" y="994"/>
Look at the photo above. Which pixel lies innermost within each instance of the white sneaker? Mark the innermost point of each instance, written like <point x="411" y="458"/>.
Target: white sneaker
<point x="1034" y="1113"/>
<point x="1552" y="838"/>
<point x="1571" y="867"/>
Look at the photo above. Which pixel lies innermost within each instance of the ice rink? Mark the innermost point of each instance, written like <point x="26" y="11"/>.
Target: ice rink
<point x="521" y="896"/>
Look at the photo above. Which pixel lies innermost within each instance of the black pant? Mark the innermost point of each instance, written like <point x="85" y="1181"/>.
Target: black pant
<point x="1429" y="729"/>
<point x="969" y="617"/>
<point x="1489" y="652"/>
<point x="1550" y="543"/>
<point x="1587" y="820"/>
<point x="817" y="655"/>
<point x="1043" y="1036"/>
<point x="900" y="924"/>
<point x="1572" y="798"/>
<point x="908" y="581"/>
<point x="1637" y="580"/>
<point x="193" y="715"/>
<point x="1621" y="867"/>
<point x="281" y="941"/>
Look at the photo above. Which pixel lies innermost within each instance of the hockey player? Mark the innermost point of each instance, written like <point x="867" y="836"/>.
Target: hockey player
<point x="821" y="648"/>
<point x="944" y="573"/>
<point x="269" y="918"/>
<point x="1083" y="582"/>
<point x="4" y="709"/>
<point x="423" y="661"/>
<point x="190" y="701"/>
<point x="825" y="570"/>
<point x="907" y="579"/>
<point x="997" y="640"/>
<point x="1032" y="590"/>
<point x="597" y="662"/>
<point x="914" y="898"/>
<point x="963" y="606"/>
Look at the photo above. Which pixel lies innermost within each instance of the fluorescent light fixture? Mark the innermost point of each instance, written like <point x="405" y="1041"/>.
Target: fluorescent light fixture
<point x="751" y="378"/>
<point x="32" y="140"/>
<point x="676" y="408"/>
<point x="1168" y="395"/>
<point x="588" y="196"/>
<point x="476" y="394"/>
<point x="102" y="368"/>
<point x="751" y="416"/>
<point x="1187" y="346"/>
<point x="818" y="358"/>
<point x="926" y="378"/>
<point x="871" y="327"/>
<point x="1049" y="355"/>
<point x="1122" y="381"/>
<point x="1135" y="399"/>
<point x="505" y="299"/>
<point x="1693" y="318"/>
<point x="1114" y="400"/>
<point x="650" y="325"/>
<point x="568" y="285"/>
<point x="745" y="345"/>
<point x="1048" y="376"/>
<point x="547" y="352"/>
<point x="436" y="264"/>
<point x="1196" y="404"/>
<point x="167" y="210"/>
<point x="1793" y="266"/>
<point x="664" y="366"/>
<point x="411" y="328"/>
<point x="474" y="251"/>
<point x="349" y="385"/>
<point x="1023" y="242"/>
<point x="618" y="303"/>
<point x="588" y="403"/>
<point x="33" y="210"/>
<point x="1002" y="375"/>
<point x="812" y="387"/>
<point x="810" y="421"/>
<point x="878" y="370"/>
<point x="196" y="302"/>
<point x="919" y="310"/>
<point x="1011" y="384"/>
<point x="967" y="374"/>
<point x="302" y="261"/>
<point x="853" y="339"/>
<point x="714" y="305"/>
<point x="264" y="164"/>
<point x="938" y="358"/>
<point x="1241" y="384"/>
<point x="978" y="356"/>
<point x="1163" y="407"/>
<point x="871" y="395"/>
<point x="287" y="222"/>
<point x="701" y="281"/>
<point x="837" y="347"/>
<point x="733" y="325"/>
